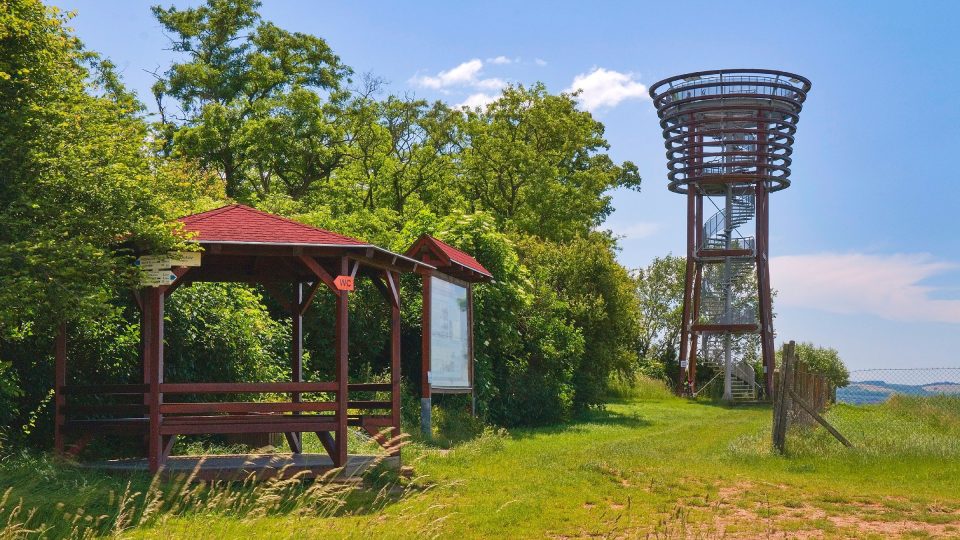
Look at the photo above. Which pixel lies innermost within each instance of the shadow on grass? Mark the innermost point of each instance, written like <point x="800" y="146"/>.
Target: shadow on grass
<point x="720" y="404"/>
<point x="584" y="422"/>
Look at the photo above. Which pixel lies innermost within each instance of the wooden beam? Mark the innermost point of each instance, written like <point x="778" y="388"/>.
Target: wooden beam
<point x="473" y="400"/>
<point x="295" y="442"/>
<point x="181" y="273"/>
<point x="305" y="304"/>
<point x="393" y="286"/>
<point x="322" y="274"/>
<point x="425" y="397"/>
<point x="823" y="422"/>
<point x="342" y="353"/>
<point x="169" y="441"/>
<point x="59" y="382"/>
<point x="328" y="442"/>
<point x="153" y="349"/>
<point x="394" y="355"/>
<point x="296" y="353"/>
<point x="233" y="388"/>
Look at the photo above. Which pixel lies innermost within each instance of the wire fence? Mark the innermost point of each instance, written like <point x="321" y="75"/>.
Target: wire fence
<point x="877" y="385"/>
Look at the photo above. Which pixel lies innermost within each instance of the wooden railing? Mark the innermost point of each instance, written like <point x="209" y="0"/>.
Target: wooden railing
<point x="220" y="407"/>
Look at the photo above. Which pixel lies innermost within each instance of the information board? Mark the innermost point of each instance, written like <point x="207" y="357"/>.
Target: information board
<point x="449" y="336"/>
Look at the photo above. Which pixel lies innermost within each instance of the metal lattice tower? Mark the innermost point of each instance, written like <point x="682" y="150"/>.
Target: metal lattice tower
<point x="729" y="138"/>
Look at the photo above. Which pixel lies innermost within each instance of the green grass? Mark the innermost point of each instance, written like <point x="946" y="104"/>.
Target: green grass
<point x="656" y="467"/>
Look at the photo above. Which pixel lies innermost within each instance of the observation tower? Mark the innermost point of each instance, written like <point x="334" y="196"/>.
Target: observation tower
<point x="729" y="137"/>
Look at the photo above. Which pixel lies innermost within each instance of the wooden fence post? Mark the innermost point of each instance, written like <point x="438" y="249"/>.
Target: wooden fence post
<point x="782" y="402"/>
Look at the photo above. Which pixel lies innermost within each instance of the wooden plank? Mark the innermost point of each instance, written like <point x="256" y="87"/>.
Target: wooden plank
<point x="823" y="422"/>
<point x="247" y="407"/>
<point x="231" y="388"/>
<point x="370" y="387"/>
<point x="267" y="427"/>
<point x="105" y="389"/>
<point x="123" y="426"/>
<point x="279" y="420"/>
<point x="106" y="408"/>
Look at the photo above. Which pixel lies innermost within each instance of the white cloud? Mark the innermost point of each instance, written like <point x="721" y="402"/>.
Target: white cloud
<point x="502" y="60"/>
<point x="467" y="74"/>
<point x="460" y="75"/>
<point x="479" y="99"/>
<point x="606" y="88"/>
<point x="490" y="84"/>
<point x="887" y="286"/>
<point x="539" y="61"/>
<point x="635" y="231"/>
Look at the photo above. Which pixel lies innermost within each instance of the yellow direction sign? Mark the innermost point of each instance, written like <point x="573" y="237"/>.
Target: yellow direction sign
<point x="157" y="278"/>
<point x="184" y="258"/>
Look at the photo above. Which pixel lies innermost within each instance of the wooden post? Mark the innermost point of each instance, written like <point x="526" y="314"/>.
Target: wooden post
<point x="341" y="337"/>
<point x="470" y="359"/>
<point x="685" y="327"/>
<point x="782" y="401"/>
<point x="393" y="283"/>
<point x="153" y="358"/>
<point x="59" y="381"/>
<point x="296" y="358"/>
<point x="425" y="395"/>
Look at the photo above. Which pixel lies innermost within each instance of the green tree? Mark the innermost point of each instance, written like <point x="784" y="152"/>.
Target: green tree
<point x="538" y="164"/>
<point x="74" y="197"/>
<point x="823" y="360"/>
<point x="245" y="78"/>
<point x="74" y="176"/>
<point x="659" y="289"/>
<point x="597" y="295"/>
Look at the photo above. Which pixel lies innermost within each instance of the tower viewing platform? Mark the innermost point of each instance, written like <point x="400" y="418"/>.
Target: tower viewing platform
<point x="730" y="126"/>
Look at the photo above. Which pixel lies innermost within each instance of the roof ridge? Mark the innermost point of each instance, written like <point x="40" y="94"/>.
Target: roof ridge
<point x="200" y="216"/>
<point x="194" y="218"/>
<point x="299" y="224"/>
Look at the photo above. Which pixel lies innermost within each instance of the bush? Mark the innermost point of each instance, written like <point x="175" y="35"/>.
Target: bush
<point x="822" y="360"/>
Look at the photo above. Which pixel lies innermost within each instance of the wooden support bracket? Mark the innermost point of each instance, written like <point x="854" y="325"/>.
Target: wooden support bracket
<point x="823" y="422"/>
<point x="318" y="271"/>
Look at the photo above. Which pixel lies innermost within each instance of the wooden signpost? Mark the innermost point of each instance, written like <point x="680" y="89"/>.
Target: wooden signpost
<point x="156" y="269"/>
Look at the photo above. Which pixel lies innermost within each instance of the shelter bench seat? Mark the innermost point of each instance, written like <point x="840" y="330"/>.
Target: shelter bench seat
<point x="221" y="417"/>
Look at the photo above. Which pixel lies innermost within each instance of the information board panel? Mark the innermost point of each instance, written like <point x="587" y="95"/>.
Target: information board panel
<point x="449" y="336"/>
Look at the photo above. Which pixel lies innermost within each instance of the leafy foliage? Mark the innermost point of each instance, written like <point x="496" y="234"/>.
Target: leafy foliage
<point x="823" y="360"/>
<point x="255" y="113"/>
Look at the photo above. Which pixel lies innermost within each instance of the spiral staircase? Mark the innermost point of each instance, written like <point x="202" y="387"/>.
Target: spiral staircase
<point x="726" y="295"/>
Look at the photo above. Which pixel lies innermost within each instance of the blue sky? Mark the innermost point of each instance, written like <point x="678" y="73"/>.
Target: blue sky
<point x="865" y="243"/>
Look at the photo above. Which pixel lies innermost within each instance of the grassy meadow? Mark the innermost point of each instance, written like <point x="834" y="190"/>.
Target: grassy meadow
<point x="650" y="465"/>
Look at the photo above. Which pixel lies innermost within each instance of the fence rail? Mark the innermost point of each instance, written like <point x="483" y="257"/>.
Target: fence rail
<point x="877" y="385"/>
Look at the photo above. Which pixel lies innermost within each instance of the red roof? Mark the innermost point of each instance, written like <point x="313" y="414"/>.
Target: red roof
<point x="454" y="255"/>
<point x="237" y="223"/>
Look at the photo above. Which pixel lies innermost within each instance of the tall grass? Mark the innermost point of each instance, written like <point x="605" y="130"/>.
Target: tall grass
<point x="83" y="504"/>
<point x="901" y="427"/>
<point x="637" y="387"/>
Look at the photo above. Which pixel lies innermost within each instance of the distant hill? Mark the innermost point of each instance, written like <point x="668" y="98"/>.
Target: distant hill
<point x="866" y="392"/>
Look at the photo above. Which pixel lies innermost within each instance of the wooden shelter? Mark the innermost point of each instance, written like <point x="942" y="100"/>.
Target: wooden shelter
<point x="241" y="244"/>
